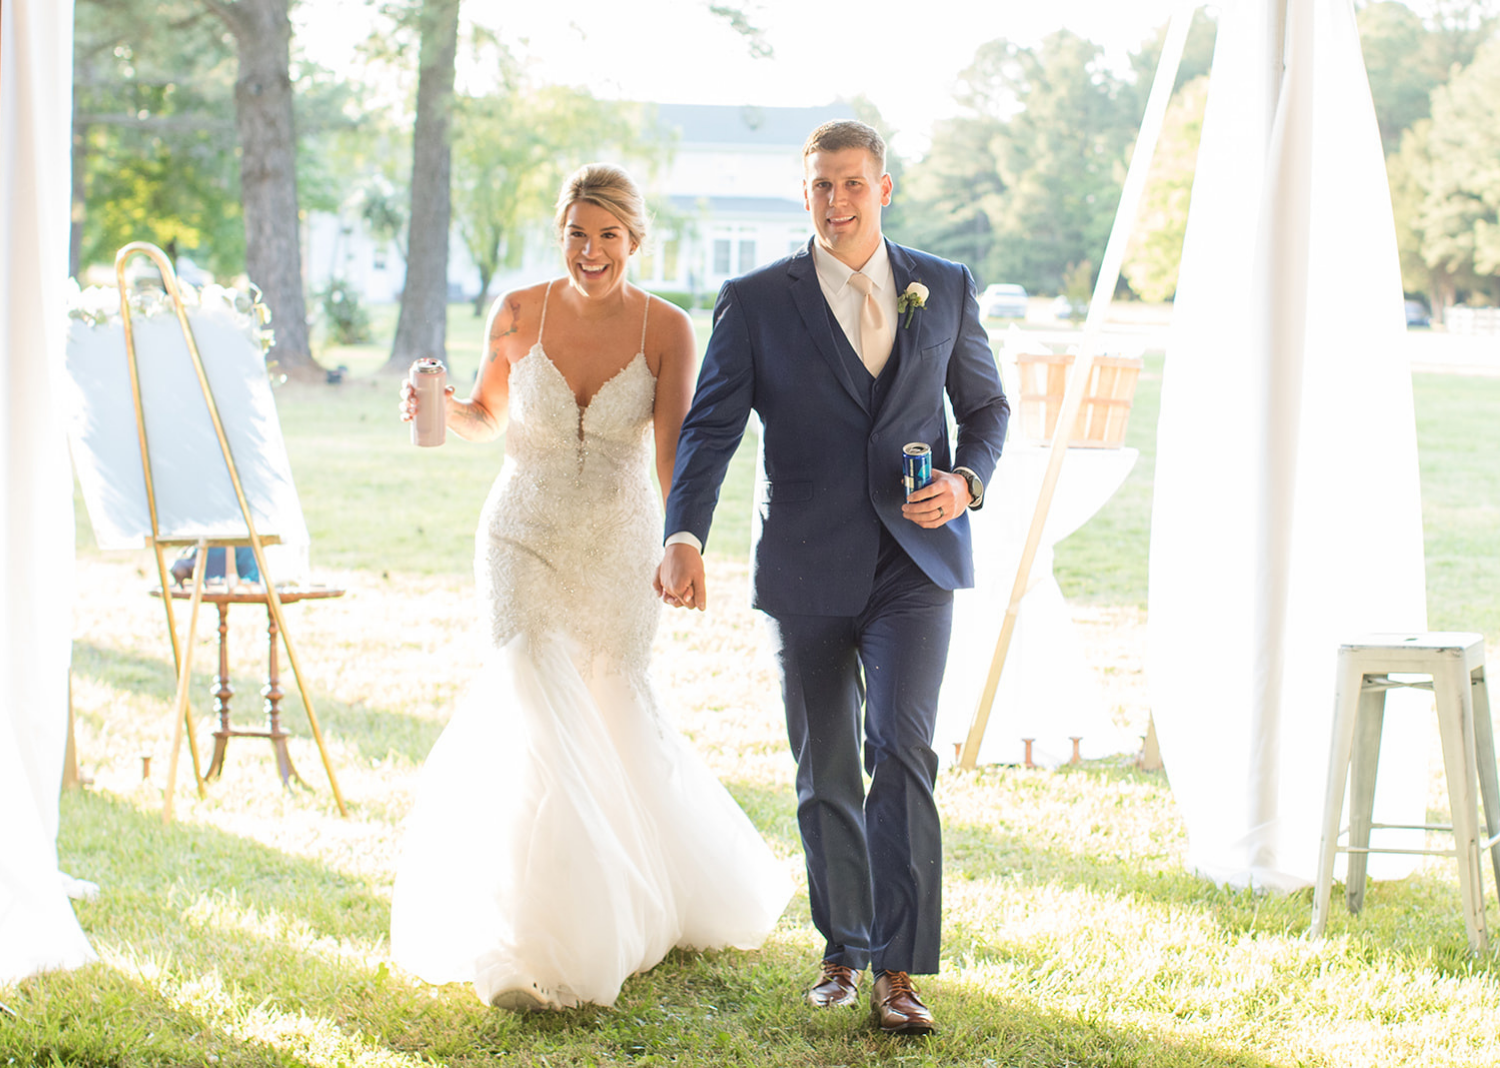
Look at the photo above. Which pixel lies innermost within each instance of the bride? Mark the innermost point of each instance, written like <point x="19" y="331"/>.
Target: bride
<point x="565" y="836"/>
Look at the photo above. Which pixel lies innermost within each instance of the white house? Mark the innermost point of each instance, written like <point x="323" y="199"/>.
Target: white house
<point x="730" y="200"/>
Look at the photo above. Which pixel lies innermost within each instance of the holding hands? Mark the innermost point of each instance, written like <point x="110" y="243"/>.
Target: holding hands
<point x="680" y="580"/>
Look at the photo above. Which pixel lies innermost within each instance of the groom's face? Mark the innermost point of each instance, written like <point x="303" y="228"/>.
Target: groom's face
<point x="845" y="191"/>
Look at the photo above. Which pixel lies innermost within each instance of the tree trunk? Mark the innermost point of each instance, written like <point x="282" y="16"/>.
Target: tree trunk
<point x="1442" y="296"/>
<point x="422" y="327"/>
<point x="268" y="171"/>
<point x="484" y="292"/>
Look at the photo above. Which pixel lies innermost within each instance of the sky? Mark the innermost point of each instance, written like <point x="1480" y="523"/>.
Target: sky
<point x="904" y="56"/>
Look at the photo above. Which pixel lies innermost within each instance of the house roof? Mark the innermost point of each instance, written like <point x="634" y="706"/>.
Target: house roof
<point x="722" y="206"/>
<point x="747" y="124"/>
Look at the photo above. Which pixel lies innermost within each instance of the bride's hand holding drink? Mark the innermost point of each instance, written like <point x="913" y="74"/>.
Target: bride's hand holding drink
<point x="424" y="402"/>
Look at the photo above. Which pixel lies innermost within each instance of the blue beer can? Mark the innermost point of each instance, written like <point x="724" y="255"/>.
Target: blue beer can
<point x="916" y="466"/>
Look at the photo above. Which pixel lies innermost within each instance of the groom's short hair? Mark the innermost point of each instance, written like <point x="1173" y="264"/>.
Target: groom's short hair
<point x="846" y="133"/>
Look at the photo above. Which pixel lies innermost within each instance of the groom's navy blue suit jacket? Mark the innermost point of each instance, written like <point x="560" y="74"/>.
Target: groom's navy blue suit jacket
<point x="830" y="444"/>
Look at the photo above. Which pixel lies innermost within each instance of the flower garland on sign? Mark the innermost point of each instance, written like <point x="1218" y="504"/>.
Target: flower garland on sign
<point x="98" y="305"/>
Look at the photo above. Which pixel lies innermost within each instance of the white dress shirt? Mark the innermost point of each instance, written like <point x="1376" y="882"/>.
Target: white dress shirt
<point x="846" y="301"/>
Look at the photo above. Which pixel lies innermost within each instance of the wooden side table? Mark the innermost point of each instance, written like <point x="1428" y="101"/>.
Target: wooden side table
<point x="222" y="596"/>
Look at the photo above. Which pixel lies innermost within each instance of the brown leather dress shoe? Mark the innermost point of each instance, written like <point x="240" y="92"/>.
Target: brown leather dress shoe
<point x="839" y="986"/>
<point x="897" y="1009"/>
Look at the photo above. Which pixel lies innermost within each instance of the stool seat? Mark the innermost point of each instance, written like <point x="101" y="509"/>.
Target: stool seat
<point x="1453" y="666"/>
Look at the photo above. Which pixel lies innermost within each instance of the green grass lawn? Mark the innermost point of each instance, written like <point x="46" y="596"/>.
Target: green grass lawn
<point x="252" y="931"/>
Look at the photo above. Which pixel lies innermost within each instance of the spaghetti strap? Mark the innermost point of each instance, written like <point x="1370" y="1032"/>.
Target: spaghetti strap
<point x="541" y="326"/>
<point x="644" y="315"/>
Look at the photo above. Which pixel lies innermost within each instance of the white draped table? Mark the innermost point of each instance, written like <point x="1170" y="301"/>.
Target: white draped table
<point x="1046" y="691"/>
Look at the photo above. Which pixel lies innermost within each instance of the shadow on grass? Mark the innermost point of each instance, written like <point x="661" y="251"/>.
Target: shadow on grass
<point x="96" y="1017"/>
<point x="373" y="733"/>
<point x="1416" y="920"/>
<point x="750" y="1009"/>
<point x="218" y="946"/>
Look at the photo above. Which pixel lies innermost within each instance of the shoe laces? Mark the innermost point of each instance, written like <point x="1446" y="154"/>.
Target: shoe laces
<point x="832" y="970"/>
<point x="898" y="983"/>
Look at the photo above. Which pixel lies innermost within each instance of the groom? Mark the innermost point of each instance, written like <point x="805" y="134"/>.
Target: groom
<point x="846" y="358"/>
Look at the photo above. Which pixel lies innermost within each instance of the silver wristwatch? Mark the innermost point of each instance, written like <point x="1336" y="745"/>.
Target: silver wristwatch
<point x="976" y="487"/>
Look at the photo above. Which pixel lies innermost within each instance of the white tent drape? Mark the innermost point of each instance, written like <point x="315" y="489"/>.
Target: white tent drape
<point x="38" y="930"/>
<point x="1287" y="512"/>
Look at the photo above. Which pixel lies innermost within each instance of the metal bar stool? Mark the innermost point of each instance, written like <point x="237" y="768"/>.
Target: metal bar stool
<point x="1454" y="662"/>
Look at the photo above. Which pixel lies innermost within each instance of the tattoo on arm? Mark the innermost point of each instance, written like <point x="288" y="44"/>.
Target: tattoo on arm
<point x="515" y="319"/>
<point x="493" y="352"/>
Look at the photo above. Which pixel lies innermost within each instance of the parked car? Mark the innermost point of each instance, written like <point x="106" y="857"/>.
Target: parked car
<point x="1416" y="314"/>
<point x="1003" y="301"/>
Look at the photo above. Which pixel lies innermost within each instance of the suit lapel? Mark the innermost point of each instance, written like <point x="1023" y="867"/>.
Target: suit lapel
<point x="807" y="294"/>
<point x="908" y="338"/>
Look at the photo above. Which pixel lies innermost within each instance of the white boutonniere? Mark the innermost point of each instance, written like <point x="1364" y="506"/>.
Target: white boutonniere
<point x="915" y="297"/>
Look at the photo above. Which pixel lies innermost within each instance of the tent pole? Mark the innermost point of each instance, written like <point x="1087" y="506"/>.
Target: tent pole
<point x="1104" y="288"/>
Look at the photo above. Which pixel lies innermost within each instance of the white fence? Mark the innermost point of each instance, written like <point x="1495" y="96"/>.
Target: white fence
<point x="1460" y="320"/>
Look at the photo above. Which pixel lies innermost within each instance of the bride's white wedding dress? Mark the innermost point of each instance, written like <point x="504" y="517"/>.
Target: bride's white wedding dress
<point x="565" y="835"/>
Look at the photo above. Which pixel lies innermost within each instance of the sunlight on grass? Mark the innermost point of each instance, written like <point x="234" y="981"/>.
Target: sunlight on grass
<point x="253" y="930"/>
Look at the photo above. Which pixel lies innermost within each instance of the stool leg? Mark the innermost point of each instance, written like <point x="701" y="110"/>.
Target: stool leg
<point x="1455" y="712"/>
<point x="1366" y="759"/>
<point x="1484" y="752"/>
<point x="1345" y="710"/>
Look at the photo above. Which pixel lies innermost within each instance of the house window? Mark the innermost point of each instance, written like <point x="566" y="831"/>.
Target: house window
<point x="795" y="245"/>
<point x="747" y="254"/>
<point x="669" y="260"/>
<point x="721" y="255"/>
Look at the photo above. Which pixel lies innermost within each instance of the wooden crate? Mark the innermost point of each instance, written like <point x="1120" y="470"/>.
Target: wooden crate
<point x="1106" y="402"/>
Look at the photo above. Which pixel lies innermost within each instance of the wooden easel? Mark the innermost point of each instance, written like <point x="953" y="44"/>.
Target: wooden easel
<point x="182" y="656"/>
<point x="1104" y="288"/>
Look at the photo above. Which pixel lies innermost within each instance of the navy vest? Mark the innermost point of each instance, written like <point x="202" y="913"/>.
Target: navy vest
<point x="877" y="387"/>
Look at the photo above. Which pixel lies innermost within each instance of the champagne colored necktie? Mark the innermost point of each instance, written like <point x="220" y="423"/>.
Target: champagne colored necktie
<point x="874" y="336"/>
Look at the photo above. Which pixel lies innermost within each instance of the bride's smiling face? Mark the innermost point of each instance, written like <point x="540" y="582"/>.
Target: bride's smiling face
<point x="596" y="247"/>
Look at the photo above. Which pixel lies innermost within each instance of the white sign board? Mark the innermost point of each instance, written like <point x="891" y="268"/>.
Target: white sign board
<point x="194" y="495"/>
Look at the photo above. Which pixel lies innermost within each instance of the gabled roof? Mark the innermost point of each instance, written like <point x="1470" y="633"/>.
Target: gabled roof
<point x="747" y="125"/>
<point x="715" y="205"/>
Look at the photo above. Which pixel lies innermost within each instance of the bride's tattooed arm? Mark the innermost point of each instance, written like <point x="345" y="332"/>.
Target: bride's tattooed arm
<point x="483" y="416"/>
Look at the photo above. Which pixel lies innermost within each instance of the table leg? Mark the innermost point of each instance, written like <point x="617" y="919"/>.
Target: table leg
<point x="222" y="692"/>
<point x="273" y="694"/>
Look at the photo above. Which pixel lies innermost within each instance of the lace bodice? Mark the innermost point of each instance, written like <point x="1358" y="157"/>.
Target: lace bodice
<point x="571" y="532"/>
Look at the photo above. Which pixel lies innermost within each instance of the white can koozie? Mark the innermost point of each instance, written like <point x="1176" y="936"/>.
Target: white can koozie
<point x="429" y="380"/>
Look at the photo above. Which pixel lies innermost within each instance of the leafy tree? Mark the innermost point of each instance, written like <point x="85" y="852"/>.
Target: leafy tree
<point x="1459" y="28"/>
<point x="1061" y="157"/>
<point x="1409" y="171"/>
<point x="1407" y="58"/>
<point x="156" y="151"/>
<point x="153" y="135"/>
<point x="1197" y="56"/>
<point x="1024" y="182"/>
<point x="947" y="197"/>
<point x="1400" y="65"/>
<point x="1459" y="216"/>
<point x="1156" y="246"/>
<point x="511" y="151"/>
<point x="422" y="326"/>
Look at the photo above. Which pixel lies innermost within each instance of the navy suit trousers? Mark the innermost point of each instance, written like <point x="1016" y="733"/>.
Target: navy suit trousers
<point x="874" y="861"/>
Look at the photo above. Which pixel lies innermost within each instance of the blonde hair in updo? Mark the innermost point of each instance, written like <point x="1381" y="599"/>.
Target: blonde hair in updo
<point x="609" y="187"/>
